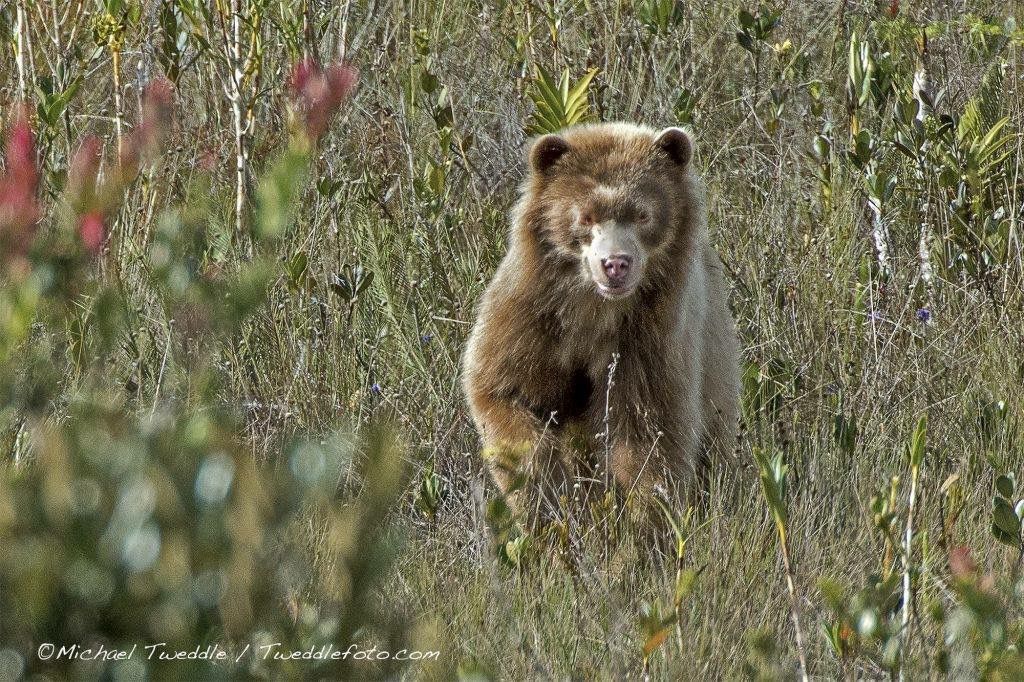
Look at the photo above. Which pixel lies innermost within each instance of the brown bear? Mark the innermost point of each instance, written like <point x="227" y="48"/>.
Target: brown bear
<point x="606" y="325"/>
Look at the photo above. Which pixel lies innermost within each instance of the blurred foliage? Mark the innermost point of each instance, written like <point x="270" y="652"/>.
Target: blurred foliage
<point x="127" y="531"/>
<point x="128" y="527"/>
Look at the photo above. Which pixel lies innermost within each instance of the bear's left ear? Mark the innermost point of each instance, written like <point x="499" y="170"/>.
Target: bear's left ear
<point x="546" y="151"/>
<point x="676" y="143"/>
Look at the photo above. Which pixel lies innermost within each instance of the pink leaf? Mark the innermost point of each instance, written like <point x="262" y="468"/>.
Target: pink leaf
<point x="319" y="93"/>
<point x="92" y="231"/>
<point x="19" y="210"/>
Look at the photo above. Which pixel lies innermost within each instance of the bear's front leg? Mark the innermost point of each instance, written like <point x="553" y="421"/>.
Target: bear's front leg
<point x="513" y="387"/>
<point x="651" y="424"/>
<point x="511" y="438"/>
<point x="521" y="454"/>
<point x="654" y="463"/>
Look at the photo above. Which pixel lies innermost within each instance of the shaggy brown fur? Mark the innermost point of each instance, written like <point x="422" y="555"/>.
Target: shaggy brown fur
<point x="554" y="319"/>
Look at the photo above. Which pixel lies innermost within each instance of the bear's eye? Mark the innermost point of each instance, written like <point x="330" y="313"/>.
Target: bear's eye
<point x="579" y="233"/>
<point x="642" y="216"/>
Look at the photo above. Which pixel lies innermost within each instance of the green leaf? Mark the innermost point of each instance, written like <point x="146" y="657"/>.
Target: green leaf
<point x="1005" y="484"/>
<point x="576" y="99"/>
<point x="773" y="482"/>
<point x="904" y="149"/>
<point x="989" y="145"/>
<point x="278" y="192"/>
<point x="295" y="268"/>
<point x="917" y="442"/>
<point x="516" y="550"/>
<point x="1004" y="518"/>
<point x="1004" y="537"/>
<point x="364" y="278"/>
<point x="969" y="124"/>
<point x="684" y="585"/>
<point x="558" y="105"/>
<point x="746" y="41"/>
<point x="822" y="147"/>
<point x="655" y="640"/>
<point x="428" y="82"/>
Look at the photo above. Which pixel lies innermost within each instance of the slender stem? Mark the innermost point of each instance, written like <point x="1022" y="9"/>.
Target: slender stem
<point x="115" y="64"/>
<point x="307" y="30"/>
<point x="793" y="602"/>
<point x="237" y="115"/>
<point x="907" y="557"/>
<point x="115" y="61"/>
<point x="879" y="233"/>
<point x="343" y="40"/>
<point x="608" y="448"/>
<point x="22" y="28"/>
<point x="607" y="418"/>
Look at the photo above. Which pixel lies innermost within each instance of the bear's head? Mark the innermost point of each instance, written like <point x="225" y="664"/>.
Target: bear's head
<point x="614" y="199"/>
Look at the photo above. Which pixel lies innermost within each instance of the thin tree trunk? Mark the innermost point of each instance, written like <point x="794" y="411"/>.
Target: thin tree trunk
<point x="343" y="39"/>
<point x="924" y="250"/>
<point x="115" y="65"/>
<point x="908" y="596"/>
<point x="22" y="28"/>
<point x="880" y="235"/>
<point x="237" y="114"/>
<point x="793" y="602"/>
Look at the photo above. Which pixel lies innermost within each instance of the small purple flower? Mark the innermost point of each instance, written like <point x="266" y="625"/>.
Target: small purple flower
<point x="375" y="389"/>
<point x="426" y="338"/>
<point x="875" y="316"/>
<point x="924" y="315"/>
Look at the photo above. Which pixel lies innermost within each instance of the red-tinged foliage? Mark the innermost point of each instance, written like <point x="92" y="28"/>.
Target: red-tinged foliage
<point x="154" y="125"/>
<point x="319" y="93"/>
<point x="85" y="195"/>
<point x="961" y="564"/>
<point x="208" y="161"/>
<point x="19" y="210"/>
<point x="94" y="202"/>
<point x="84" y="170"/>
<point x="965" y="569"/>
<point x="92" y="230"/>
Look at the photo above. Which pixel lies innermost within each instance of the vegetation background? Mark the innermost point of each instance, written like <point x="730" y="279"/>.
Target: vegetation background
<point x="229" y="345"/>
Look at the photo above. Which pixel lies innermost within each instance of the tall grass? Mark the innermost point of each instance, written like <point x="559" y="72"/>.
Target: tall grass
<point x="862" y="164"/>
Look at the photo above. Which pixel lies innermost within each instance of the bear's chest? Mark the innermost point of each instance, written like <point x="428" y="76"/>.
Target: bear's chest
<point x="567" y="398"/>
<point x="588" y="340"/>
<point x="575" y="380"/>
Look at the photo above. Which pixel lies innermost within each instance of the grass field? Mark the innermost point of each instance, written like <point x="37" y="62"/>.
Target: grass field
<point x="257" y="287"/>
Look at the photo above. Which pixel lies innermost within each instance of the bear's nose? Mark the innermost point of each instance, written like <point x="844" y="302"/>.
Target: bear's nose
<point x="616" y="267"/>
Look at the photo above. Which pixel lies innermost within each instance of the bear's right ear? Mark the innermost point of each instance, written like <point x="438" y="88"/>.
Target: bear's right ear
<point x="676" y="143"/>
<point x="546" y="151"/>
